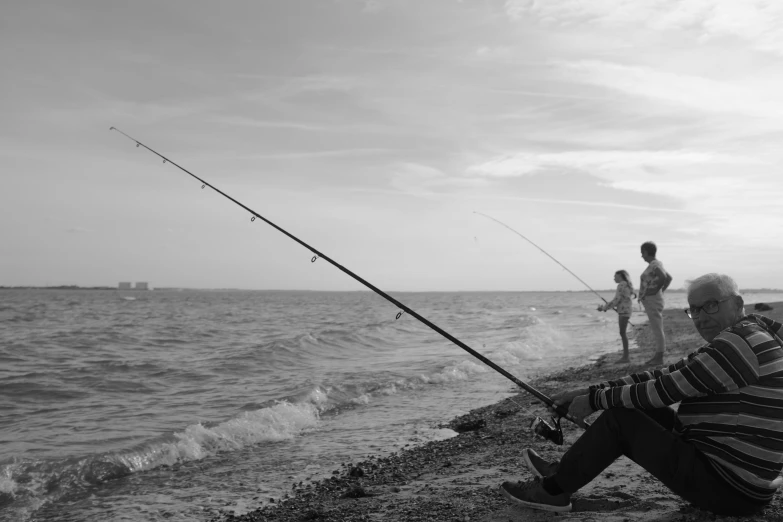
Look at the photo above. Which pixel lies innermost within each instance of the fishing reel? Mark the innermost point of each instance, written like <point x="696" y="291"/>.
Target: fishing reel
<point x="545" y="430"/>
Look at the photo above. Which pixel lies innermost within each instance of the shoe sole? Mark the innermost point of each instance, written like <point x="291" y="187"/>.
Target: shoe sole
<point x="529" y="464"/>
<point x="535" y="505"/>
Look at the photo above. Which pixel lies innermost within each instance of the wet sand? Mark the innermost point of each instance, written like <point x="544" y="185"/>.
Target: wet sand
<point x="457" y="479"/>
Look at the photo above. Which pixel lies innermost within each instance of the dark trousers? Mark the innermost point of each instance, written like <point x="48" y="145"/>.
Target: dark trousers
<point x="646" y="437"/>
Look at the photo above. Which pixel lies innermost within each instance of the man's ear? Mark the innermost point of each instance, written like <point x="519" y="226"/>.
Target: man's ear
<point x="740" y="303"/>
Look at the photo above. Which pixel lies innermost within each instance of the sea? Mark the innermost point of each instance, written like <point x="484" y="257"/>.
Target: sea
<point x="181" y="404"/>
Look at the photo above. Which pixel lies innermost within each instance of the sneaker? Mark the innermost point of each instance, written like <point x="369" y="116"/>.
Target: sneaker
<point x="538" y="466"/>
<point x="532" y="495"/>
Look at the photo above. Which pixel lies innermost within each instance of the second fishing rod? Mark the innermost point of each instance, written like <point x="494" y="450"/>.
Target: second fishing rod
<point x="552" y="433"/>
<point x="550" y="256"/>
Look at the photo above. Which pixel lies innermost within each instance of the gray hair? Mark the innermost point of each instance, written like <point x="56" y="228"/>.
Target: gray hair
<point x="726" y="285"/>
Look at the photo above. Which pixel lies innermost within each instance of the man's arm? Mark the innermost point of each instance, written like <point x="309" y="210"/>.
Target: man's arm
<point x="667" y="281"/>
<point x="725" y="365"/>
<point x="566" y="398"/>
<point x="636" y="378"/>
<point x="662" y="281"/>
<point x="579" y="402"/>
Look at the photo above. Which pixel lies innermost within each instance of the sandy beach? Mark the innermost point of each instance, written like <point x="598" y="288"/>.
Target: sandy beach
<point x="457" y="479"/>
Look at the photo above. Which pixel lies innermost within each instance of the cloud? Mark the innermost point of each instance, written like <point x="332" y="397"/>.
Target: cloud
<point x="306" y="126"/>
<point x="335" y="153"/>
<point x="758" y="22"/>
<point x="137" y="113"/>
<point x="736" y="198"/>
<point x="501" y="53"/>
<point x="757" y="99"/>
<point x="693" y="190"/>
<point x="657" y="14"/>
<point x="423" y="180"/>
<point x="319" y="82"/>
<point x="601" y="204"/>
<point x="269" y="89"/>
<point x="523" y="163"/>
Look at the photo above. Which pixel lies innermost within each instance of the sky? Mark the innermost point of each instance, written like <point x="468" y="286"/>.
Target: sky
<point x="376" y="131"/>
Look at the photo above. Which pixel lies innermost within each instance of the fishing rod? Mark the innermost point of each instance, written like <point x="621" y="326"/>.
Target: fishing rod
<point x="539" y="426"/>
<point x="548" y="255"/>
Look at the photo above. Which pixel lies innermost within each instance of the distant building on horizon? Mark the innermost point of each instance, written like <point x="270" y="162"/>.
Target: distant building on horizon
<point x="142" y="285"/>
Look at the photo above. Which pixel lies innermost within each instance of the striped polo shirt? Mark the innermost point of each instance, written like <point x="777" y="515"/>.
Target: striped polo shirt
<point x="731" y="402"/>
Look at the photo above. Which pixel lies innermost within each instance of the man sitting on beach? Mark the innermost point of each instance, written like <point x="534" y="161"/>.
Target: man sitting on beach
<point x="721" y="451"/>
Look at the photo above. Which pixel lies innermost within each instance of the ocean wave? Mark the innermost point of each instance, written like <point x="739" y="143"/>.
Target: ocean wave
<point x="458" y="372"/>
<point x="124" y="366"/>
<point x="197" y="441"/>
<point x="35" y="391"/>
<point x="30" y="483"/>
<point x="340" y="342"/>
<point x="533" y="344"/>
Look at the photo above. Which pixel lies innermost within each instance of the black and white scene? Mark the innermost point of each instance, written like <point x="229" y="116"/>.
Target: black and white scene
<point x="391" y="260"/>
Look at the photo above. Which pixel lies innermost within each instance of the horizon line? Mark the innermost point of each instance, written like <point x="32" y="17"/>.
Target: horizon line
<point x="182" y="288"/>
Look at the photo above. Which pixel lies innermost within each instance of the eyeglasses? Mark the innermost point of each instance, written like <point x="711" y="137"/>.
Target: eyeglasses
<point x="709" y="307"/>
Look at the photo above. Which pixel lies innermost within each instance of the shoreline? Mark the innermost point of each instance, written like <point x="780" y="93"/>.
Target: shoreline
<point x="457" y="479"/>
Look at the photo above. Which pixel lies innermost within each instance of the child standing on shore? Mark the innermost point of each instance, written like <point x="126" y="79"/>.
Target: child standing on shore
<point x="623" y="303"/>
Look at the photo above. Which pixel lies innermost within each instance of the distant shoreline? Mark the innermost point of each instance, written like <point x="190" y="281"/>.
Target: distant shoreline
<point x="61" y="287"/>
<point x="609" y="290"/>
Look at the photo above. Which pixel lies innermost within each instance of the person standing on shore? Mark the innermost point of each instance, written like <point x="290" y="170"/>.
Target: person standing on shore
<point x="654" y="282"/>
<point x="623" y="303"/>
<point x="722" y="450"/>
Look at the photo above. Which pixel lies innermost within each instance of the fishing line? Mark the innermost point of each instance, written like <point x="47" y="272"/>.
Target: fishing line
<point x="403" y="308"/>
<point x="548" y="255"/>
